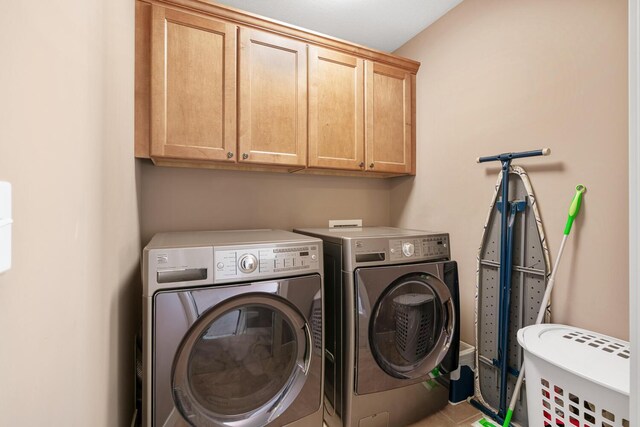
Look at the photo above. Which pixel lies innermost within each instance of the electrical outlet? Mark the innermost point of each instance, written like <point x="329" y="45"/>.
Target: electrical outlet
<point x="345" y="223"/>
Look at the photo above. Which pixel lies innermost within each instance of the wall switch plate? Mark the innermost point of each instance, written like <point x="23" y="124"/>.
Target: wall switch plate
<point x="345" y="223"/>
<point x="6" y="221"/>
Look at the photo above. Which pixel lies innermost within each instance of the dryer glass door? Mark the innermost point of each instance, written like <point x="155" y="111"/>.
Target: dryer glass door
<point x="243" y="361"/>
<point x="405" y="324"/>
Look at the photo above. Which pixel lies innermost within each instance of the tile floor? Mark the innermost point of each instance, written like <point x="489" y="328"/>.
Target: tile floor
<point x="462" y="414"/>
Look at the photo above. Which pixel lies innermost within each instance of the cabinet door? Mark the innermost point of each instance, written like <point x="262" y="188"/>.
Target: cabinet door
<point x="273" y="99"/>
<point x="193" y="87"/>
<point x="388" y="116"/>
<point x="336" y="110"/>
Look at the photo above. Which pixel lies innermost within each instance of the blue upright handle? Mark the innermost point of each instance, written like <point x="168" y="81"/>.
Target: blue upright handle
<point x="510" y="156"/>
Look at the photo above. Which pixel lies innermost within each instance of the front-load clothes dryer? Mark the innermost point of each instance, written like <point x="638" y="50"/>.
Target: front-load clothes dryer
<point x="232" y="326"/>
<point x="392" y="324"/>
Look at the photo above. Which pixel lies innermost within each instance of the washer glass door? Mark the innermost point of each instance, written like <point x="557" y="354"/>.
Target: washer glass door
<point x="242" y="363"/>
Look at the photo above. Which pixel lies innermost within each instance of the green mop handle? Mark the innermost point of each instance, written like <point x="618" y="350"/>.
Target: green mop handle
<point x="573" y="212"/>
<point x="574" y="208"/>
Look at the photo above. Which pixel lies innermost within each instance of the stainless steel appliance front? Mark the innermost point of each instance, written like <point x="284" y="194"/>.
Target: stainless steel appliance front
<point x="238" y="355"/>
<point x="241" y="349"/>
<point x="373" y="277"/>
<point x="405" y="324"/>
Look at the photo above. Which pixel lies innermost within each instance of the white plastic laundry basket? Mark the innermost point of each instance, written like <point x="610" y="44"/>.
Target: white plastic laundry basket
<point x="575" y="377"/>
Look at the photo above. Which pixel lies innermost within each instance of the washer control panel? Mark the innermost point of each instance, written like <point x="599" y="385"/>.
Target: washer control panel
<point x="261" y="261"/>
<point x="429" y="247"/>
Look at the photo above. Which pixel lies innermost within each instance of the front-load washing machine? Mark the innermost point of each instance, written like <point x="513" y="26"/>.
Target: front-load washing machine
<point x="392" y="324"/>
<point x="232" y="325"/>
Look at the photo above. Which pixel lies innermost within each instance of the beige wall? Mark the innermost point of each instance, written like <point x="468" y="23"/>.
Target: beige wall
<point x="174" y="199"/>
<point x="496" y="76"/>
<point x="68" y="306"/>
<point x="502" y="76"/>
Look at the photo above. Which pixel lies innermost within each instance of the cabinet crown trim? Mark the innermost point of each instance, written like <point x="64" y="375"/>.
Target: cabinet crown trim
<point x="248" y="19"/>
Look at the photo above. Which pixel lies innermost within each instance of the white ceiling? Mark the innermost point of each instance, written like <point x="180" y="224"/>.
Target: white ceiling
<point x="381" y="24"/>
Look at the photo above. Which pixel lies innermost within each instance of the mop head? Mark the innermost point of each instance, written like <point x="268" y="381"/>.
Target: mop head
<point x="487" y="422"/>
<point x="484" y="423"/>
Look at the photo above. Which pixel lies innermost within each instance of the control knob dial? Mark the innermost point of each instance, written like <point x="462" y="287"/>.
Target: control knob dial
<point x="408" y="249"/>
<point x="248" y="263"/>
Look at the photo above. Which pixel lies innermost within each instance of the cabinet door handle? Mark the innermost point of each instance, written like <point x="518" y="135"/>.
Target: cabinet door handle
<point x="229" y="155"/>
<point x="371" y="165"/>
<point x="361" y="164"/>
<point x="245" y="156"/>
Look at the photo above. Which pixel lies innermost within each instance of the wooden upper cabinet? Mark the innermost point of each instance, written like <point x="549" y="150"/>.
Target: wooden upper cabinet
<point x="389" y="115"/>
<point x="218" y="87"/>
<point x="336" y="110"/>
<point x="273" y="99"/>
<point x="193" y="87"/>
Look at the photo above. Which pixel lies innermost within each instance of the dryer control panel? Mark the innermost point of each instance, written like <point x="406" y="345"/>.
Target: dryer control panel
<point x="238" y="263"/>
<point x="429" y="247"/>
<point x="405" y="249"/>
